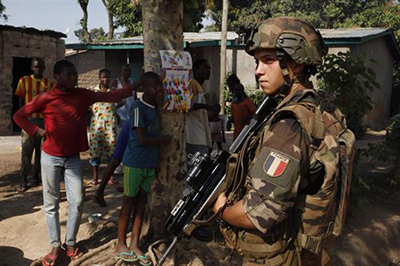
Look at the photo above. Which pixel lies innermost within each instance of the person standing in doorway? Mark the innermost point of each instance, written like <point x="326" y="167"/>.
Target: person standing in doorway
<point x="28" y="87"/>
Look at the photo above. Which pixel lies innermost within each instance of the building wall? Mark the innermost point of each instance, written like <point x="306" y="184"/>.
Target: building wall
<point x="115" y="59"/>
<point x="378" y="51"/>
<point x="243" y="65"/>
<point x="88" y="64"/>
<point x="25" y="45"/>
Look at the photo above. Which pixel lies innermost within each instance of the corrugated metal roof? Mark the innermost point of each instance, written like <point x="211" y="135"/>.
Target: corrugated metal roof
<point x="332" y="37"/>
<point x="187" y="37"/>
<point x="351" y="32"/>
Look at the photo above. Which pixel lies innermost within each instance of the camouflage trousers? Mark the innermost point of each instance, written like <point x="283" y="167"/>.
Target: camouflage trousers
<point x="309" y="258"/>
<point x="31" y="145"/>
<point x="289" y="258"/>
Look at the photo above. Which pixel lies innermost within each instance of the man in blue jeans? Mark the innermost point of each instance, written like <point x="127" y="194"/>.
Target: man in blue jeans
<point x="64" y="110"/>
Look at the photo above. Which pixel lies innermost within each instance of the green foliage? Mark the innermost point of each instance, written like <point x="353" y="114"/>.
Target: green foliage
<point x="379" y="16"/>
<point x="2" y="10"/>
<point x="96" y="34"/>
<point x="129" y="15"/>
<point x="390" y="147"/>
<point x="322" y="14"/>
<point x="347" y="82"/>
<point x="366" y="187"/>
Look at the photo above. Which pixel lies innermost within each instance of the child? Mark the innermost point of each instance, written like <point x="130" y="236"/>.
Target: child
<point x="103" y="127"/>
<point x="116" y="160"/>
<point x="64" y="110"/>
<point x="217" y="127"/>
<point x="140" y="160"/>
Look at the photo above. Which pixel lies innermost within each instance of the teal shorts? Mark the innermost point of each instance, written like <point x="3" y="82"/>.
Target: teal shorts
<point x="136" y="178"/>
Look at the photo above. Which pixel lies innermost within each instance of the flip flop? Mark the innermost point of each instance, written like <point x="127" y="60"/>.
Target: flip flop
<point x="50" y="257"/>
<point x="144" y="260"/>
<point x="75" y="255"/>
<point x="127" y="256"/>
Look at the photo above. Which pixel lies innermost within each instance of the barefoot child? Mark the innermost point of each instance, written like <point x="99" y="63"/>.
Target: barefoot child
<point x="116" y="160"/>
<point x="64" y="110"/>
<point x="140" y="160"/>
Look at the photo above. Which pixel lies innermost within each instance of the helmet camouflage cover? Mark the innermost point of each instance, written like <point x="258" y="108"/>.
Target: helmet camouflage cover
<point x="297" y="37"/>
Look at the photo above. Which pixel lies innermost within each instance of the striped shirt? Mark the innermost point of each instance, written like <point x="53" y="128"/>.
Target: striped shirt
<point x="29" y="87"/>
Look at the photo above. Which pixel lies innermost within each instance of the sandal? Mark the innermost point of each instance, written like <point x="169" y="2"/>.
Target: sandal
<point x="144" y="260"/>
<point x="94" y="183"/>
<point x="127" y="256"/>
<point x="23" y="187"/>
<point x="75" y="255"/>
<point x="51" y="258"/>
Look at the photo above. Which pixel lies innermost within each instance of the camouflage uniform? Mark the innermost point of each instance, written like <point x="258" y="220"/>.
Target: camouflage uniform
<point x="282" y="171"/>
<point x="276" y="186"/>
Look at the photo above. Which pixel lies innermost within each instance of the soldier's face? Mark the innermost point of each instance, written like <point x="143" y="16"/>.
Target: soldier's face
<point x="268" y="71"/>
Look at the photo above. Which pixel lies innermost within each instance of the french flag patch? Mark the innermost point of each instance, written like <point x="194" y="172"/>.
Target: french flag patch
<point x="276" y="164"/>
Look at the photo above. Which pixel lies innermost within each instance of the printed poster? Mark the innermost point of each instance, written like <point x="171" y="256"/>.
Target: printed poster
<point x="176" y="74"/>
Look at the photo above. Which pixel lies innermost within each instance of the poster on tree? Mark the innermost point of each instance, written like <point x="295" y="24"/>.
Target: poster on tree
<point x="176" y="74"/>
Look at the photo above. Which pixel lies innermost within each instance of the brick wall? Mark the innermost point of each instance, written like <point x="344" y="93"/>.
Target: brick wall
<point x="88" y="64"/>
<point x="28" y="45"/>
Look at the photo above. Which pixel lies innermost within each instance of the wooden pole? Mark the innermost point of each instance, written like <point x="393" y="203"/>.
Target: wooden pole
<point x="224" y="29"/>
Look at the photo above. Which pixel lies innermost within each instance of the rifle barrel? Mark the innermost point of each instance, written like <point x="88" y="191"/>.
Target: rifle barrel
<point x="165" y="255"/>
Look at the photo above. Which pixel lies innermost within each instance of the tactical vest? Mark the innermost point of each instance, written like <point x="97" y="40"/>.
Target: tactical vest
<point x="330" y="144"/>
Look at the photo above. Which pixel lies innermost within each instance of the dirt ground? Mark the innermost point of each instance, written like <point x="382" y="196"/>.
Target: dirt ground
<point x="371" y="234"/>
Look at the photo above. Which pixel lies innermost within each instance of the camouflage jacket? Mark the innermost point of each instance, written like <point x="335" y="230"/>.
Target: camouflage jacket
<point x="277" y="175"/>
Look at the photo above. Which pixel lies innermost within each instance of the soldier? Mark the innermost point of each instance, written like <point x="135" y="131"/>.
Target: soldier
<point x="264" y="221"/>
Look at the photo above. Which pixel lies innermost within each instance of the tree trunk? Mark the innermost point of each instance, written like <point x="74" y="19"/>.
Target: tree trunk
<point x="84" y="21"/>
<point x="110" y="34"/>
<point x="162" y="30"/>
<point x="224" y="32"/>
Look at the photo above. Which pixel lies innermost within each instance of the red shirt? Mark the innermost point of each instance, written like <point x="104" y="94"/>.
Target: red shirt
<point x="241" y="112"/>
<point x="65" y="117"/>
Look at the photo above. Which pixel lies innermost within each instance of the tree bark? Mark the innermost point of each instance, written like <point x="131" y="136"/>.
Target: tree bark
<point x="224" y="32"/>
<point x="110" y="34"/>
<point x="162" y="30"/>
<point x="84" y="21"/>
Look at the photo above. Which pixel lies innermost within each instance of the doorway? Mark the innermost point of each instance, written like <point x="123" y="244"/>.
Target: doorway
<point x="21" y="67"/>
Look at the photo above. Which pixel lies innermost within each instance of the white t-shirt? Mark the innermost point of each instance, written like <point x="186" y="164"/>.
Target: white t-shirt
<point x="124" y="112"/>
<point x="196" y="125"/>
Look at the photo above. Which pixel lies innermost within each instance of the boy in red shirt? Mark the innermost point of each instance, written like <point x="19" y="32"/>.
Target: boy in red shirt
<point x="64" y="110"/>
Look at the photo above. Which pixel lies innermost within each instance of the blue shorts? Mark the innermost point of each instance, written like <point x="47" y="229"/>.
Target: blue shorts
<point x="122" y="142"/>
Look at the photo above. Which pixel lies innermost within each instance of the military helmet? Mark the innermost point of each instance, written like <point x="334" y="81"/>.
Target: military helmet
<point x="297" y="37"/>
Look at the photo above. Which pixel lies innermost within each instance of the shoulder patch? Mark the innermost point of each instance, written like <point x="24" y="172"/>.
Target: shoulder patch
<point x="274" y="167"/>
<point x="275" y="164"/>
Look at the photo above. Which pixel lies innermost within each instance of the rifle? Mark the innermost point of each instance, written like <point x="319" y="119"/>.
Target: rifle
<point x="206" y="180"/>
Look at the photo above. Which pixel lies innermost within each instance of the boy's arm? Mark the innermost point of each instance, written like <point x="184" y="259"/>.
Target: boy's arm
<point x="114" y="95"/>
<point x="146" y="140"/>
<point x="21" y="116"/>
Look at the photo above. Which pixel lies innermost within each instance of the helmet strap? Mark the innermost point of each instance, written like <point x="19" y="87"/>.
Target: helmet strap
<point x="285" y="89"/>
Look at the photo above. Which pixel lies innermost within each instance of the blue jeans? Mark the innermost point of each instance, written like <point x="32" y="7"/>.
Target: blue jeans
<point x="53" y="168"/>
